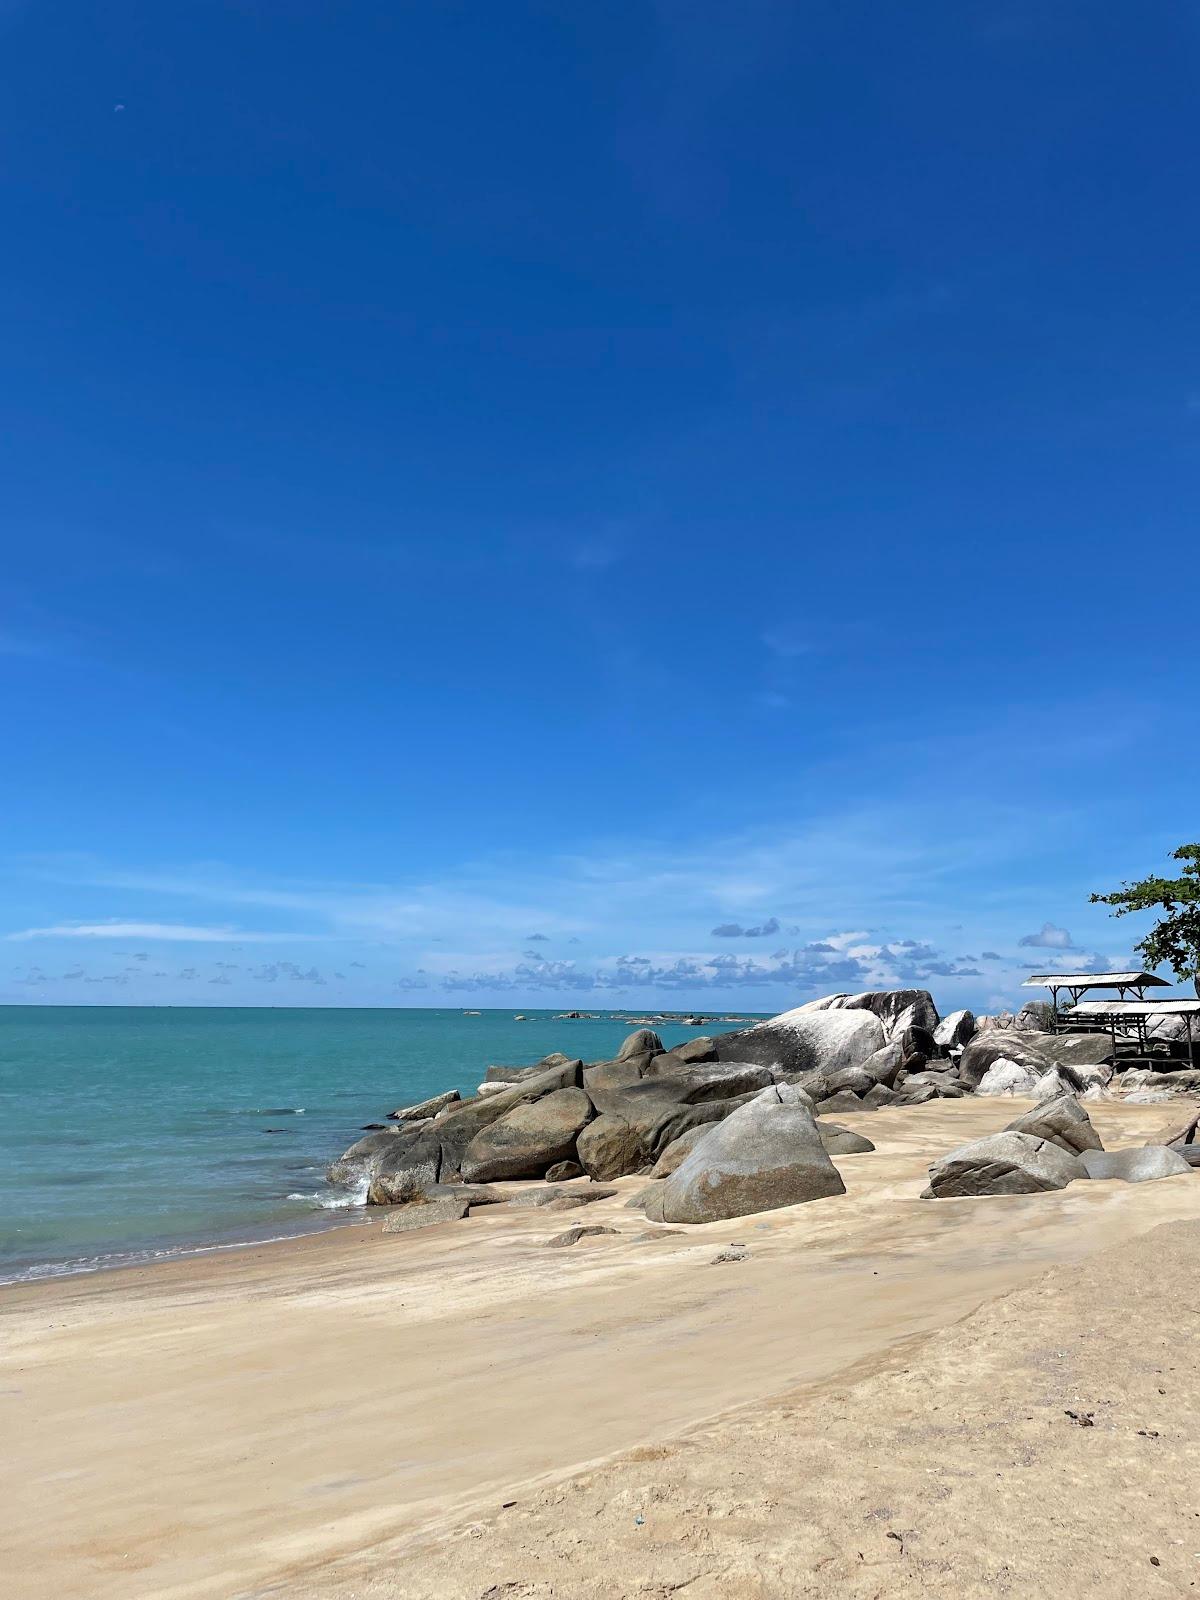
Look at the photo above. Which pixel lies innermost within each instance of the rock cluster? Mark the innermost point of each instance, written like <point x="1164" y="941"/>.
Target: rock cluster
<point x="1080" y="1059"/>
<point x="1003" y="1163"/>
<point x="647" y="1109"/>
<point x="1047" y="1148"/>
<point x="766" y="1154"/>
<point x="742" y="1122"/>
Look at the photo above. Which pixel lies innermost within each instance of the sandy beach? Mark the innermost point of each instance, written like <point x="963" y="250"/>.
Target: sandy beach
<point x="873" y="1403"/>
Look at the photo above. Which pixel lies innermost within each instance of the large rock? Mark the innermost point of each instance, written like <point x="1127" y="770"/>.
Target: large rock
<point x="701" y="1049"/>
<point x="527" y="1140"/>
<point x="897" y="1009"/>
<point x="520" y="1074"/>
<point x="677" y="1150"/>
<point x="885" y="1064"/>
<point x="956" y="1029"/>
<point x="827" y="1002"/>
<point x="1035" y="1016"/>
<point x="1003" y="1163"/>
<point x="357" y="1163"/>
<point x="806" y="1041"/>
<point x="435" y="1155"/>
<point x="855" y="1080"/>
<point x="406" y="1170"/>
<point x="880" y="1095"/>
<point x="845" y="1102"/>
<point x="914" y="1094"/>
<point x="615" y="1074"/>
<point x="718" y="1080"/>
<point x="635" y="1127"/>
<point x="1080" y="1058"/>
<point x="766" y="1154"/>
<point x="1051" y="1086"/>
<point x="945" y="1085"/>
<point x="425" y="1108"/>
<point x="612" y="1146"/>
<point x="1006" y="1077"/>
<point x="643" y="1042"/>
<point x="917" y="1041"/>
<point x="1183" y="1081"/>
<point x="1140" y="1164"/>
<point x="1063" y="1121"/>
<point x="709" y="1080"/>
<point x="918" y="1019"/>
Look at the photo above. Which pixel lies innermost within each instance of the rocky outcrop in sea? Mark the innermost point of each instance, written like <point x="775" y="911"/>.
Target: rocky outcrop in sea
<point x="741" y="1122"/>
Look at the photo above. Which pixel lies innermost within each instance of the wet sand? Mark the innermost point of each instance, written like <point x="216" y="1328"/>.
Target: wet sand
<point x="346" y="1413"/>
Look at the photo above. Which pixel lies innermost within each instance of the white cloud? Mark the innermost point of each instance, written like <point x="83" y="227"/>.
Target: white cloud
<point x="905" y="865"/>
<point x="1048" y="938"/>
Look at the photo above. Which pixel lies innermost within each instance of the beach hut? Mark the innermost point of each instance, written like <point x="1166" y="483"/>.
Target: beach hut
<point x="1126" y="1021"/>
<point x="1077" y="984"/>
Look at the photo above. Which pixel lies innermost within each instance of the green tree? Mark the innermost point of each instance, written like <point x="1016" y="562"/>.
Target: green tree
<point x="1175" y="938"/>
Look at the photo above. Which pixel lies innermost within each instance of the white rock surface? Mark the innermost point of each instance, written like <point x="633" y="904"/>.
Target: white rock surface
<point x="815" y="1041"/>
<point x="953" y="1031"/>
<point x="1006" y="1077"/>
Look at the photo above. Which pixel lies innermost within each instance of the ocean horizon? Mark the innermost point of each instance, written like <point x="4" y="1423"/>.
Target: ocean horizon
<point x="136" y="1133"/>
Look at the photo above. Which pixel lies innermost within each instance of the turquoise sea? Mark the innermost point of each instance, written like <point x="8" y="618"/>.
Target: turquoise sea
<point x="126" y="1134"/>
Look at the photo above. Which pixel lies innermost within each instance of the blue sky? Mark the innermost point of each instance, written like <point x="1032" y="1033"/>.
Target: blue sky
<point x="498" y="498"/>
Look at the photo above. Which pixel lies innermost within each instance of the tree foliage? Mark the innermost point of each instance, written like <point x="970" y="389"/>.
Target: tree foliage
<point x="1174" y="940"/>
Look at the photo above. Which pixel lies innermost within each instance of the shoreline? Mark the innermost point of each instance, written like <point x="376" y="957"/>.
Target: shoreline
<point x="347" y="1393"/>
<point x="172" y="1161"/>
<point x="329" y="1220"/>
